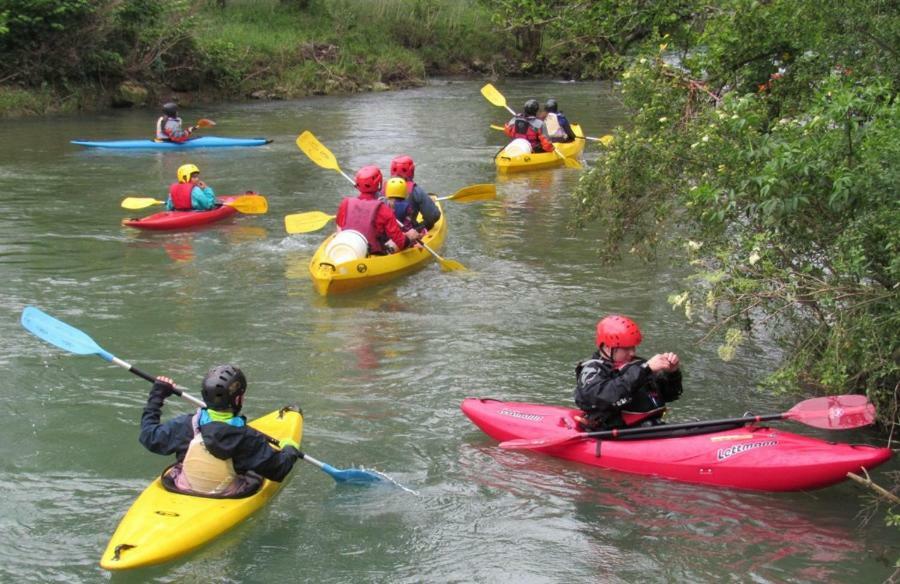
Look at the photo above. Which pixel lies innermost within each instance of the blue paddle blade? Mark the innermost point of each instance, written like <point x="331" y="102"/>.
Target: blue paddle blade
<point x="352" y="475"/>
<point x="58" y="333"/>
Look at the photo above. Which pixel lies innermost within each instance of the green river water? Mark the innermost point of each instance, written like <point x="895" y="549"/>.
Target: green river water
<point x="380" y="375"/>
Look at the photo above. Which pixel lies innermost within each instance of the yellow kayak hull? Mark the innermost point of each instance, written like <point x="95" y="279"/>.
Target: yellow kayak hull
<point x="539" y="160"/>
<point x="330" y="278"/>
<point x="161" y="526"/>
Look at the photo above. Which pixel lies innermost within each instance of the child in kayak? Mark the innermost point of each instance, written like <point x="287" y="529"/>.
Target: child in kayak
<point x="168" y="126"/>
<point x="395" y="197"/>
<point x="417" y="199"/>
<point x="529" y="127"/>
<point x="190" y="193"/>
<point x="372" y="217"/>
<point x="217" y="453"/>
<point x="615" y="388"/>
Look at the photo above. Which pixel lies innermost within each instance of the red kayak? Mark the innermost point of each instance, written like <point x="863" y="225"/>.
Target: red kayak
<point x="749" y="457"/>
<point x="184" y="219"/>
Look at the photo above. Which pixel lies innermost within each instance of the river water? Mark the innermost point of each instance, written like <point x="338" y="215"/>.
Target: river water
<point x="380" y="375"/>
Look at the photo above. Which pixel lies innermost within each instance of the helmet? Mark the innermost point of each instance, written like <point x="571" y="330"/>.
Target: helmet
<point x="223" y="388"/>
<point x="395" y="188"/>
<point x="368" y="179"/>
<point x="170" y="109"/>
<point x="404" y="167"/>
<point x="185" y="171"/>
<point x="616" y="331"/>
<point x="531" y="107"/>
<point x="551" y="106"/>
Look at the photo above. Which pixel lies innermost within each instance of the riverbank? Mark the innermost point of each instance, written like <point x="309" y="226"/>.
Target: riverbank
<point x="263" y="50"/>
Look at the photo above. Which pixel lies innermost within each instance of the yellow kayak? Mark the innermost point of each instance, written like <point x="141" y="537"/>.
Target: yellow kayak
<point x="161" y="525"/>
<point x="331" y="278"/>
<point x="540" y="160"/>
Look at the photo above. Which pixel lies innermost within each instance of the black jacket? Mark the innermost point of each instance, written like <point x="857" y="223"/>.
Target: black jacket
<point x="247" y="448"/>
<point x="603" y="391"/>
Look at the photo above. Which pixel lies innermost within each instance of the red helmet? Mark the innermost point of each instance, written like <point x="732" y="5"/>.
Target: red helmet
<point x="368" y="179"/>
<point x="404" y="167"/>
<point x="616" y="331"/>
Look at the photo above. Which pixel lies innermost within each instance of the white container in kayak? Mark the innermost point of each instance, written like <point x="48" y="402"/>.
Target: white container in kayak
<point x="347" y="245"/>
<point x="517" y="147"/>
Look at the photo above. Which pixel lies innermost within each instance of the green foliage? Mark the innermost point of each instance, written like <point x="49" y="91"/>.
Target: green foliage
<point x="774" y="150"/>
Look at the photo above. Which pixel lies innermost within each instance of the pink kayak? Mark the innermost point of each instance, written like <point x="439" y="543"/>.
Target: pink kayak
<point x="184" y="219"/>
<point x="749" y="457"/>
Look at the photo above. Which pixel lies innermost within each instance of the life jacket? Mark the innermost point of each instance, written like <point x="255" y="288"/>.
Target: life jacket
<point x="201" y="472"/>
<point x="161" y="127"/>
<point x="181" y="196"/>
<point x="526" y="128"/>
<point x="410" y="185"/>
<point x="360" y="216"/>
<point x="554" y="129"/>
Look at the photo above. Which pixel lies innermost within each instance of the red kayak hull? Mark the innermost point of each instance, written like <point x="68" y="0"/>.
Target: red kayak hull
<point x="168" y="220"/>
<point x="751" y="457"/>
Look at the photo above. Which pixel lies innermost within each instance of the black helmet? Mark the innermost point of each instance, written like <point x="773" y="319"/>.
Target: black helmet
<point x="551" y="106"/>
<point x="531" y="107"/>
<point x="170" y="109"/>
<point x="223" y="388"/>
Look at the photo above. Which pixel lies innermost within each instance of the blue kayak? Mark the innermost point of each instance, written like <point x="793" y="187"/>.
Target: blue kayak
<point x="202" y="142"/>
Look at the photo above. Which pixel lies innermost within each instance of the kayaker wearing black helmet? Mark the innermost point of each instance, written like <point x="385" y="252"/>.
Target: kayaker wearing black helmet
<point x="615" y="388"/>
<point x="558" y="127"/>
<point x="168" y="126"/>
<point x="217" y="453"/>
<point x="528" y="126"/>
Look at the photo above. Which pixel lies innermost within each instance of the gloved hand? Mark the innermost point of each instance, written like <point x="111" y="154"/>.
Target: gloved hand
<point x="284" y="442"/>
<point x="163" y="387"/>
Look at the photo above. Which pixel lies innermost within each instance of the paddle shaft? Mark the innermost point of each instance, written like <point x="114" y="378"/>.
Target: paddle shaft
<point x="681" y="426"/>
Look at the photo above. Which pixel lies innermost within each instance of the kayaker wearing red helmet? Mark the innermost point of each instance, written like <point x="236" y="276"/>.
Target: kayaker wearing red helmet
<point x="417" y="200"/>
<point x="615" y="388"/>
<point x="217" y="453"/>
<point x="372" y="217"/>
<point x="528" y="126"/>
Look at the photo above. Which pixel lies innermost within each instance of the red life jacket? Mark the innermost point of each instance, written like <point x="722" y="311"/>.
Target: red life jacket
<point x="410" y="185"/>
<point x="181" y="196"/>
<point x="360" y="216"/>
<point x="523" y="128"/>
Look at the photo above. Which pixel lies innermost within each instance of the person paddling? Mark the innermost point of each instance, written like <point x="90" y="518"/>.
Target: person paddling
<point x="558" y="127"/>
<point x="190" y="193"/>
<point x="417" y="199"/>
<point x="615" y="388"/>
<point x="395" y="197"/>
<point x="529" y="127"/>
<point x="217" y="453"/>
<point x="168" y="126"/>
<point x="371" y="217"/>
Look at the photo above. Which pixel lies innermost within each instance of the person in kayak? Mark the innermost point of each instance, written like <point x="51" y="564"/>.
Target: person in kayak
<point x="528" y="126"/>
<point x="395" y="197"/>
<point x="372" y="217"/>
<point x="558" y="127"/>
<point x="217" y="453"/>
<point x="190" y="193"/>
<point x="417" y="199"/>
<point x="615" y="388"/>
<point x="168" y="126"/>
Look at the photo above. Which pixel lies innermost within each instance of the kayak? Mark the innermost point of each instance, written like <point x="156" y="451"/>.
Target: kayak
<point x="750" y="457"/>
<point x="355" y="274"/>
<point x="162" y="525"/>
<point x="167" y="220"/>
<point x="536" y="161"/>
<point x="202" y="142"/>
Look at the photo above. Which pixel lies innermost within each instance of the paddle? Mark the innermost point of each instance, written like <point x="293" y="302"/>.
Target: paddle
<point x="495" y="97"/>
<point x="67" y="337"/>
<point x="318" y="153"/>
<point x="606" y="139"/>
<point x="471" y="194"/>
<point x="837" y="412"/>
<point x="204" y="123"/>
<point x="306" y="222"/>
<point x="247" y="204"/>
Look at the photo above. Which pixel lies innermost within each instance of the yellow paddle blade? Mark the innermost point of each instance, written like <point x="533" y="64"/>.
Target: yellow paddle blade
<point x="205" y="123"/>
<point x="316" y="151"/>
<point x="140" y="202"/>
<point x="606" y="140"/>
<point x="496" y="127"/>
<point x="250" y="204"/>
<point x="569" y="162"/>
<point x="306" y="222"/>
<point x="491" y="94"/>
<point x="472" y="193"/>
